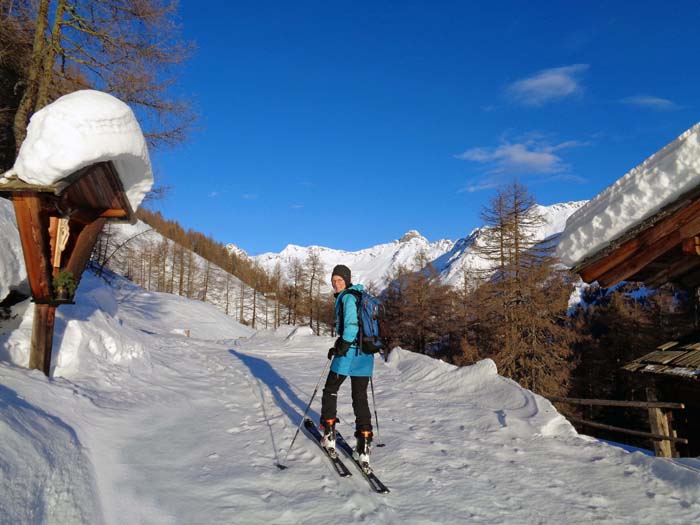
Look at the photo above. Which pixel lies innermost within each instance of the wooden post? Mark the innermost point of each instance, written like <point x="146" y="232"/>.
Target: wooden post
<point x="42" y="337"/>
<point x="80" y="254"/>
<point x="658" y="420"/>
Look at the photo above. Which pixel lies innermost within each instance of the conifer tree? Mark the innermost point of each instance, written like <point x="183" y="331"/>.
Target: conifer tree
<point x="521" y="317"/>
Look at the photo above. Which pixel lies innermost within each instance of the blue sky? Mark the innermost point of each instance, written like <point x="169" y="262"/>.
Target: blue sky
<point x="345" y="124"/>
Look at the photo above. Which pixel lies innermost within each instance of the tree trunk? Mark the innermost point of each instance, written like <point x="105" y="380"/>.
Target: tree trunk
<point x="27" y="104"/>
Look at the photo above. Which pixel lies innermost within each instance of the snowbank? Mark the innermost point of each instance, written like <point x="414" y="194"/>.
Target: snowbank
<point x="638" y="195"/>
<point x="84" y="333"/>
<point x="45" y="473"/>
<point x="91" y="333"/>
<point x="80" y="129"/>
<point x="506" y="402"/>
<point x="12" y="271"/>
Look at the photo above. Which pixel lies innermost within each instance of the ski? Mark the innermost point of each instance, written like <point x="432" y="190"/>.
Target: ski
<point x="369" y="474"/>
<point x="338" y="464"/>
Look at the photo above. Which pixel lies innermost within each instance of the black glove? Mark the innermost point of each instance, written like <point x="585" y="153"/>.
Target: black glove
<point x="331" y="353"/>
<point x="341" y="347"/>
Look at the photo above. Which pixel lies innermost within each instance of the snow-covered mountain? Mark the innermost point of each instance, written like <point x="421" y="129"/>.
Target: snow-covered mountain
<point x="370" y="265"/>
<point x="240" y="252"/>
<point x="450" y="259"/>
<point x="464" y="259"/>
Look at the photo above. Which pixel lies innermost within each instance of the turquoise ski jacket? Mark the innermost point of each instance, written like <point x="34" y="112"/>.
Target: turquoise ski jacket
<point x="355" y="362"/>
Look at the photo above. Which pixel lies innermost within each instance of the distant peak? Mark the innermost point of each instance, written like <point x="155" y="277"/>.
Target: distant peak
<point x="411" y="234"/>
<point x="233" y="249"/>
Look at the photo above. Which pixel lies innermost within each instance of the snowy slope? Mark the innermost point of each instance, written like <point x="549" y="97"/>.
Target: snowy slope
<point x="188" y="430"/>
<point x="125" y="240"/>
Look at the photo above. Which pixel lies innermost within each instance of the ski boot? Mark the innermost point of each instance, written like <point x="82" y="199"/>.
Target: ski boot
<point x="362" y="449"/>
<point x="328" y="440"/>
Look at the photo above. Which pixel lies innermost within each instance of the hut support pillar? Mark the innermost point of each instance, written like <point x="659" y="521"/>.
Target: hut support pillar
<point x="660" y="424"/>
<point x="42" y="337"/>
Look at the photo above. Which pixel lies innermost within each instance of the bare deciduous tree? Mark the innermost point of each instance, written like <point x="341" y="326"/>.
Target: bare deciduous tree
<point x="127" y="48"/>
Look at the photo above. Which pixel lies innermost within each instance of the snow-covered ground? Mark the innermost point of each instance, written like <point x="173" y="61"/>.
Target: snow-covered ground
<point x="141" y="424"/>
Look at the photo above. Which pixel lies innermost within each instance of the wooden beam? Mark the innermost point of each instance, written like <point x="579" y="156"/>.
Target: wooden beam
<point x="673" y="272"/>
<point x="656" y="437"/>
<point x="85" y="215"/>
<point x="685" y="219"/>
<point x="42" y="338"/>
<point x="33" y="226"/>
<point x="615" y="403"/>
<point x="115" y="214"/>
<point x="637" y="260"/>
<point x="691" y="245"/>
<point x="85" y="241"/>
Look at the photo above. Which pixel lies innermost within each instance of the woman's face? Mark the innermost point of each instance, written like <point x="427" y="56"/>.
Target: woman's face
<point x="338" y="283"/>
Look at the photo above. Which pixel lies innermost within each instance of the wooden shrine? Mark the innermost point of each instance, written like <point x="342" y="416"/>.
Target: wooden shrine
<point x="58" y="227"/>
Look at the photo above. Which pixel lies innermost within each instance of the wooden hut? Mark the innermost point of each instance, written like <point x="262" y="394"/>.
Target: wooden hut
<point x="662" y="247"/>
<point x="673" y="371"/>
<point x="58" y="226"/>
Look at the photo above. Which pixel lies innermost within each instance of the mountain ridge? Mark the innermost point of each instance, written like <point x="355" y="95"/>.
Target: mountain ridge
<point x="375" y="264"/>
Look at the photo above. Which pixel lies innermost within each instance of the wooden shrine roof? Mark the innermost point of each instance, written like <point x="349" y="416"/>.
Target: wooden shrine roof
<point x="95" y="191"/>
<point x="676" y="358"/>
<point x="664" y="248"/>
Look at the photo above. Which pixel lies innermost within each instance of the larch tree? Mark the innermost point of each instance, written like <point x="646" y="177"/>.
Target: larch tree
<point x="521" y="317"/>
<point x="314" y="272"/>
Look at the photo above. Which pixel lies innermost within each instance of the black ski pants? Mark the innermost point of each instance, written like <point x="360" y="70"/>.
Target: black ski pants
<point x="329" y="402"/>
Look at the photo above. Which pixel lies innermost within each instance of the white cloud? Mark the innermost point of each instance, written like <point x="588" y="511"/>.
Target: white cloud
<point x="296" y="206"/>
<point x="548" y="85"/>
<point x="650" y="102"/>
<point x="249" y="196"/>
<point x="524" y="157"/>
<point x="214" y="194"/>
<point x="530" y="158"/>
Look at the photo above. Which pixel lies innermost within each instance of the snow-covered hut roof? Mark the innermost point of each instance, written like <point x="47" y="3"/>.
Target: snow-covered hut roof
<point x="80" y="129"/>
<point x="645" y="215"/>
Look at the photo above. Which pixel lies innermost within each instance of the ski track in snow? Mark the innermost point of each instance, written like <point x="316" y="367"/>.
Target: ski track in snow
<point x="195" y="436"/>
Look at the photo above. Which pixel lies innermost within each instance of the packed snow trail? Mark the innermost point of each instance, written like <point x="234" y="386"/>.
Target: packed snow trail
<point x="190" y="429"/>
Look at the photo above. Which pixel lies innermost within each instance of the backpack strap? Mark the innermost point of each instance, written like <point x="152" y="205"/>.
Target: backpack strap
<point x="341" y="320"/>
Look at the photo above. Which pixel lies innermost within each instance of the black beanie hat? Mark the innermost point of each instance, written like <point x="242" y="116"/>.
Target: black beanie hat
<point x="344" y="272"/>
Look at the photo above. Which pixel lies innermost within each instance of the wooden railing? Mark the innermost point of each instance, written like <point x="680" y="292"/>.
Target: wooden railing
<point x="660" y="420"/>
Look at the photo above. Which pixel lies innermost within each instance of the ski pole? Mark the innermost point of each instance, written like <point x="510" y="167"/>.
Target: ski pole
<point x="282" y="466"/>
<point x="376" y="418"/>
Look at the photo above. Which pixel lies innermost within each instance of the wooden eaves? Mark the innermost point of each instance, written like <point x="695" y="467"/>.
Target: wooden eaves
<point x="664" y="248"/>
